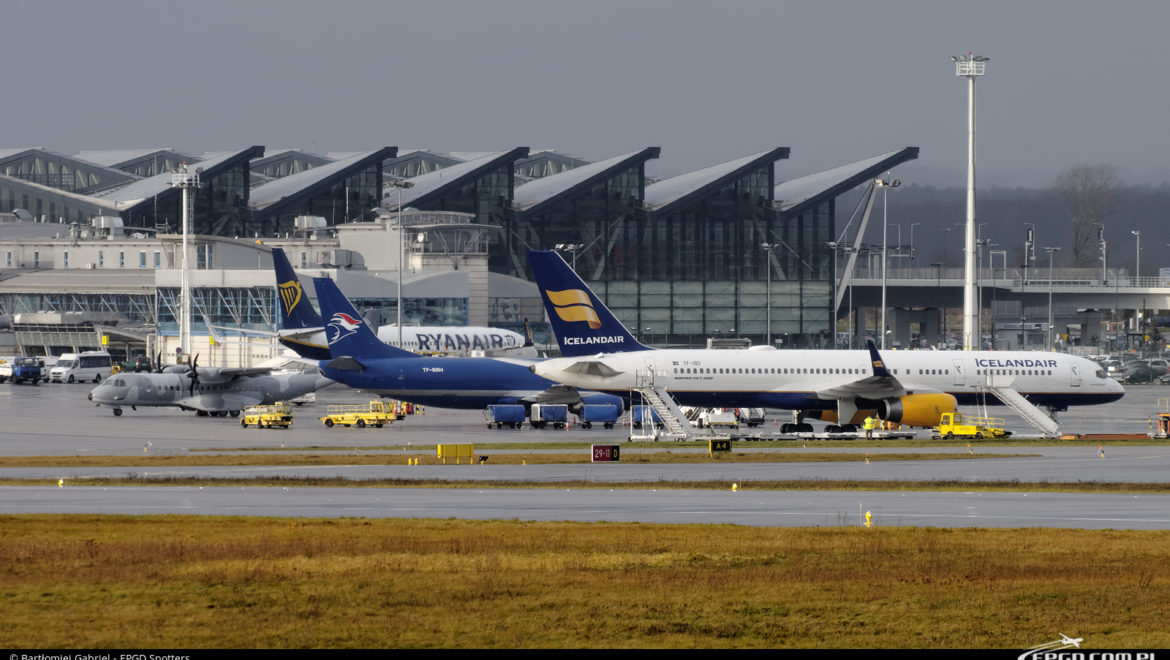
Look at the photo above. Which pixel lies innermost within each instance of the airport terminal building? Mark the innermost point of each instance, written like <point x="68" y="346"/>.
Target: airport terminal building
<point x="90" y="243"/>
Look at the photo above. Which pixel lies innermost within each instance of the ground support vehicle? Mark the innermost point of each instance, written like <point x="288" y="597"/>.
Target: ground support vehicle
<point x="753" y="417"/>
<point x="24" y="369"/>
<point x="604" y="414"/>
<point x="277" y="415"/>
<point x="640" y="415"/>
<point x="956" y="425"/>
<point x="713" y="417"/>
<point x="546" y="414"/>
<point x="503" y="415"/>
<point x="374" y="413"/>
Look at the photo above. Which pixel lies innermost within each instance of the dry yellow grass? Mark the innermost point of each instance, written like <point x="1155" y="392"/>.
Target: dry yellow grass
<point x="205" y="582"/>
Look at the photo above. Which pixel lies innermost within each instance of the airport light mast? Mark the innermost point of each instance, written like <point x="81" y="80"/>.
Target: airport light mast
<point x="185" y="181"/>
<point x="398" y="185"/>
<point x="970" y="66"/>
<point x="885" y="185"/>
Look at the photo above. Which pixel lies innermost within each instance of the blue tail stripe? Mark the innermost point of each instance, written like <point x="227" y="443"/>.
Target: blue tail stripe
<point x="582" y="328"/>
<point x="348" y="333"/>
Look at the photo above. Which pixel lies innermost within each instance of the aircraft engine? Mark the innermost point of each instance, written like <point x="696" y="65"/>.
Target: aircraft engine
<point x="916" y="409"/>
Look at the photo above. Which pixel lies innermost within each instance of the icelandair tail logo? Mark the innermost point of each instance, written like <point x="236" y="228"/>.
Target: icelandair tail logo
<point x="573" y="305"/>
<point x="290" y="294"/>
<point x="341" y="326"/>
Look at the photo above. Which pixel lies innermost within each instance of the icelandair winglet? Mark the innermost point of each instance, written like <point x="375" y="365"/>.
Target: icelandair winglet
<point x="909" y="387"/>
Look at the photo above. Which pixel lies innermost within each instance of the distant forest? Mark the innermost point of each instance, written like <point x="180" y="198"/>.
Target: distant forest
<point x="1006" y="212"/>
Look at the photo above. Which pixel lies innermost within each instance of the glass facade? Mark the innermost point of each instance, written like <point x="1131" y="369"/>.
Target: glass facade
<point x="352" y="197"/>
<point x="487" y="196"/>
<point x="60" y="172"/>
<point x="55" y="206"/>
<point x="220" y="205"/>
<point x="695" y="268"/>
<point x="417" y="311"/>
<point x="597" y="217"/>
<point x="286" y="163"/>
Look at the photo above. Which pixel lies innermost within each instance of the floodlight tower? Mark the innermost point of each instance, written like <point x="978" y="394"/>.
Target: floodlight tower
<point x="398" y="185"/>
<point x="970" y="66"/>
<point x="187" y="182"/>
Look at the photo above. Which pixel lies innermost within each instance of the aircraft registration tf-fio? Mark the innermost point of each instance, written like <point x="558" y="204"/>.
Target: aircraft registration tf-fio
<point x="909" y="387"/>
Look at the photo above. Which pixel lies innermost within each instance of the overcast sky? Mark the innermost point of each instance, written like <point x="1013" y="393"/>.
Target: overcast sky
<point x="1068" y="82"/>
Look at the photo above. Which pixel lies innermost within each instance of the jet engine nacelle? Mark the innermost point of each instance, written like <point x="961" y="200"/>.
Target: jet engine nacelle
<point x="916" y="409"/>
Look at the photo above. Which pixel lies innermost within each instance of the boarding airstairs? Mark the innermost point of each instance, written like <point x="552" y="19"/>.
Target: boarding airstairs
<point x="674" y="420"/>
<point x="1003" y="389"/>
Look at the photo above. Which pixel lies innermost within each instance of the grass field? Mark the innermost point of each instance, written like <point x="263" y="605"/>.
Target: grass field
<point x="75" y="581"/>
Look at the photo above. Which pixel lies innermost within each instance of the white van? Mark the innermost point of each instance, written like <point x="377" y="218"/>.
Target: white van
<point x="87" y="366"/>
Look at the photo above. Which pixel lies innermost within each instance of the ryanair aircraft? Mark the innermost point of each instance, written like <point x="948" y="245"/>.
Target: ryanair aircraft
<point x="909" y="387"/>
<point x="304" y="333"/>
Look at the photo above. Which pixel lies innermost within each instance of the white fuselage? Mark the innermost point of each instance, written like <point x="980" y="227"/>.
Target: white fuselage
<point x="792" y="378"/>
<point x="433" y="340"/>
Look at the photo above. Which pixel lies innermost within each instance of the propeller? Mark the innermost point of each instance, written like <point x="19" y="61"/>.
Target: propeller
<point x="193" y="374"/>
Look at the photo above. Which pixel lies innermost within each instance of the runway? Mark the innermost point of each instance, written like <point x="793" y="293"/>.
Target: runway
<point x="78" y="428"/>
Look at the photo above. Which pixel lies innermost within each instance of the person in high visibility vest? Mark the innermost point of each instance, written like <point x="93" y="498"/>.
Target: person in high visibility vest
<point x="870" y="422"/>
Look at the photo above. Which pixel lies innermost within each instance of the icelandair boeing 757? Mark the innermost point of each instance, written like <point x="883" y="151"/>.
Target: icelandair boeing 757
<point x="303" y="330"/>
<point x="909" y="387"/>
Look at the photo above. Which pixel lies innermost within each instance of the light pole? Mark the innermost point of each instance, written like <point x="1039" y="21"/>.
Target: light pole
<point x="912" y="252"/>
<point x="970" y="66"/>
<point x="398" y="186"/>
<point x="767" y="248"/>
<point x="572" y="249"/>
<point x="1029" y="248"/>
<point x="186" y="182"/>
<point x="885" y="185"/>
<point x="1101" y="244"/>
<point x="833" y="313"/>
<point x="1050" y="250"/>
<point x="942" y="306"/>
<point x="1137" y="271"/>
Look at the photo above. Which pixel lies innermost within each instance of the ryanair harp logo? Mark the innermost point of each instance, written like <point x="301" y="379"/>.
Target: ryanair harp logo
<point x="573" y="305"/>
<point x="290" y="294"/>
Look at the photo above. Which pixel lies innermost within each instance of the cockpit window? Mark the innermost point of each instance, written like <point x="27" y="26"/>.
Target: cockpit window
<point x="1101" y="374"/>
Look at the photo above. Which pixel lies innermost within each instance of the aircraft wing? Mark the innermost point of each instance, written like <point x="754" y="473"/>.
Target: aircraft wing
<point x="880" y="384"/>
<point x="872" y="387"/>
<point x="590" y="367"/>
<point x="555" y="394"/>
<point x="219" y="401"/>
<point x="221" y="375"/>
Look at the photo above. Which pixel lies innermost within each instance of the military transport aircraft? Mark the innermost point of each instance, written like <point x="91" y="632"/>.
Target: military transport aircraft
<point x="208" y="390"/>
<point x="910" y="387"/>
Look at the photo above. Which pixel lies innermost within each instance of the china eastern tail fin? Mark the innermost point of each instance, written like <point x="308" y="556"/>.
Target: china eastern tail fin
<point x="582" y="324"/>
<point x="347" y="332"/>
<point x="296" y="312"/>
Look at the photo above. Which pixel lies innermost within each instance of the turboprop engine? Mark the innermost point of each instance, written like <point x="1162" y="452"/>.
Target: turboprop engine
<point x="916" y="409"/>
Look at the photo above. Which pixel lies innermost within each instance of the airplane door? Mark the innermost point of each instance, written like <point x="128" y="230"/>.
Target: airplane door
<point x="960" y="375"/>
<point x="1074" y="375"/>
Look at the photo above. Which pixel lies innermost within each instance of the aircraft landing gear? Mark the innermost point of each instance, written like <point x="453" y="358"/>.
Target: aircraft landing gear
<point x="117" y="412"/>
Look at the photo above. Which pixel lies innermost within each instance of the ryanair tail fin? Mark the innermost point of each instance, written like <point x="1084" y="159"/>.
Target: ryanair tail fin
<point x="296" y="312"/>
<point x="582" y="324"/>
<point x="347" y="332"/>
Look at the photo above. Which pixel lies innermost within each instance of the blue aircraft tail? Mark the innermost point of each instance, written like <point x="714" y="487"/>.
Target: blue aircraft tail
<point x="346" y="330"/>
<point x="581" y="322"/>
<point x="296" y="312"/>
